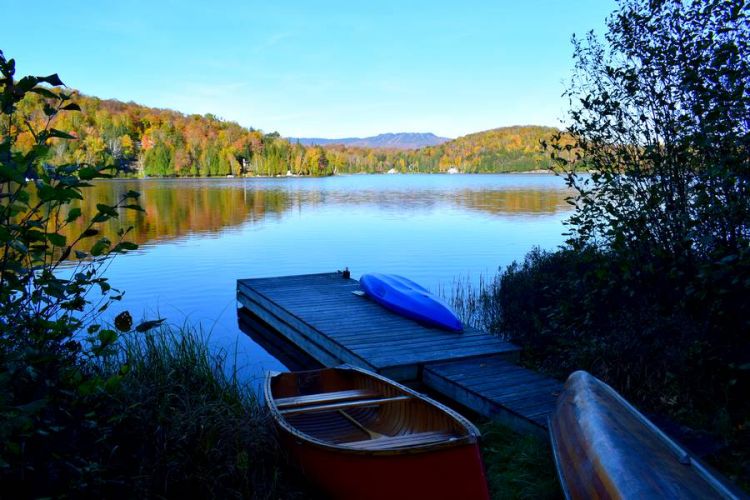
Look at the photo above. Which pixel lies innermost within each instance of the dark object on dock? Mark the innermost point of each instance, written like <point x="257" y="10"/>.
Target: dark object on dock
<point x="360" y="435"/>
<point x="605" y="448"/>
<point x="410" y="300"/>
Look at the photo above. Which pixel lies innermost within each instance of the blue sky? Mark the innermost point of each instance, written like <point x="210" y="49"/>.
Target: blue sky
<point x="315" y="68"/>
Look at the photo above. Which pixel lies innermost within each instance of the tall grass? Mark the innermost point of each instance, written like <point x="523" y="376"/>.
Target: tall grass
<point x="476" y="304"/>
<point x="187" y="429"/>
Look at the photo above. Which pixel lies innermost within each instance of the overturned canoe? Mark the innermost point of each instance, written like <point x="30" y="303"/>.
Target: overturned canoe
<point x="359" y="435"/>
<point x="605" y="448"/>
<point x="404" y="297"/>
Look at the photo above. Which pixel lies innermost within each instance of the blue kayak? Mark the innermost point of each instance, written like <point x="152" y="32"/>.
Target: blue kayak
<point x="410" y="300"/>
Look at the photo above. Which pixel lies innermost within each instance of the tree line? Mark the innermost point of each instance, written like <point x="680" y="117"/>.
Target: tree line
<point x="144" y="141"/>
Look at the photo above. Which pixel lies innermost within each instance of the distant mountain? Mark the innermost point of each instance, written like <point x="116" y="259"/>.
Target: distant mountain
<point x="402" y="140"/>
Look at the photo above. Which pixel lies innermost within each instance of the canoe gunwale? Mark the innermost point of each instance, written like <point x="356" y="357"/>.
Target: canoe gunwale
<point x="470" y="438"/>
<point x="556" y="457"/>
<point x="682" y="455"/>
<point x="583" y="390"/>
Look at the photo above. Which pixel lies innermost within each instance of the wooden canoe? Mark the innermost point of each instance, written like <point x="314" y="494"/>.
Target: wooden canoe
<point x="605" y="448"/>
<point x="359" y="435"/>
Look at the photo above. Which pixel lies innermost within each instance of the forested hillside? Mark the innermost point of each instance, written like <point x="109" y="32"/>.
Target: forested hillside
<point x="508" y="149"/>
<point x="145" y="141"/>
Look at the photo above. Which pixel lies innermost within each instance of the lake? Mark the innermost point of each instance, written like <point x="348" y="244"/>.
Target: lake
<point x="197" y="237"/>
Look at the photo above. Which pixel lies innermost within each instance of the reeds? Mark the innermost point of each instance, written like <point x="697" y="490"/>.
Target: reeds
<point x="189" y="428"/>
<point x="476" y="304"/>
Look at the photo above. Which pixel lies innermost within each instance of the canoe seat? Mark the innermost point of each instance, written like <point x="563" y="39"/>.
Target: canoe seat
<point x="405" y="440"/>
<point x="324" y="397"/>
<point x="341" y="405"/>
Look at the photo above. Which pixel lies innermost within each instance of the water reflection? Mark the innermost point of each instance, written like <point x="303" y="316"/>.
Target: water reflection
<point x="179" y="208"/>
<point x="199" y="236"/>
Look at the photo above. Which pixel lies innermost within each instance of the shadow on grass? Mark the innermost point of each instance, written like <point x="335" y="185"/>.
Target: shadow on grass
<point x="518" y="466"/>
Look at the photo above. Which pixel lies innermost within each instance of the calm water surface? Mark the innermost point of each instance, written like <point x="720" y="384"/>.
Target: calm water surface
<point x="198" y="237"/>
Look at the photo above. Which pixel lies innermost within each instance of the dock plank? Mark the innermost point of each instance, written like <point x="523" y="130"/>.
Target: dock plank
<point x="516" y="396"/>
<point x="320" y="314"/>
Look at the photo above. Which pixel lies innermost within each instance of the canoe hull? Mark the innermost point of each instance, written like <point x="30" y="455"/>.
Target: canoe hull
<point x="450" y="473"/>
<point x="357" y="434"/>
<point x="605" y="448"/>
<point x="408" y="299"/>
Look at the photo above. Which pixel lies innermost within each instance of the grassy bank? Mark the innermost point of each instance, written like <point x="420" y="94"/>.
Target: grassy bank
<point x="193" y="429"/>
<point x="167" y="423"/>
<point x="518" y="466"/>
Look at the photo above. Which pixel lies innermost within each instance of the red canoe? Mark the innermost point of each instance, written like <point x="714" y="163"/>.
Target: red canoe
<point x="359" y="435"/>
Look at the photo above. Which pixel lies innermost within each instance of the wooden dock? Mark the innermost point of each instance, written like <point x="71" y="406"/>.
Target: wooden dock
<point x="320" y="315"/>
<point x="505" y="392"/>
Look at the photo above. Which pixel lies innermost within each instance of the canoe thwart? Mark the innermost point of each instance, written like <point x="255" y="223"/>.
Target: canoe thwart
<point x="342" y="405"/>
<point x="392" y="442"/>
<point x="324" y="397"/>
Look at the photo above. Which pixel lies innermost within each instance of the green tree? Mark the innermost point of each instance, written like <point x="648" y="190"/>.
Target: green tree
<point x="648" y="292"/>
<point x="158" y="160"/>
<point x="661" y="114"/>
<point x="50" y="340"/>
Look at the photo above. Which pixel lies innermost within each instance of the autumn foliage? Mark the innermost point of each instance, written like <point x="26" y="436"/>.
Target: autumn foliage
<point x="143" y="141"/>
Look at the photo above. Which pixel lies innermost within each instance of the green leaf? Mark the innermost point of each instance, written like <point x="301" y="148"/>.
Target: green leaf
<point x="107" y="337"/>
<point x="100" y="247"/>
<point x="106" y="209"/>
<point x="52" y="79"/>
<point x="49" y="110"/>
<point x="88" y="173"/>
<point x="53" y="132"/>
<point x="44" y="92"/>
<point x="56" y="239"/>
<point x="71" y="107"/>
<point x="89" y="233"/>
<point x="81" y="255"/>
<point x="124" y="321"/>
<point x="149" y="325"/>
<point x="33" y="407"/>
<point x="133" y="194"/>
<point x="8" y="173"/>
<point x="34" y="235"/>
<point x="73" y="214"/>
<point x="124" y="246"/>
<point x="26" y="83"/>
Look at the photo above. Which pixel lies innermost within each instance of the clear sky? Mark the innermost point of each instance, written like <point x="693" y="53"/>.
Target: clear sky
<point x="314" y="68"/>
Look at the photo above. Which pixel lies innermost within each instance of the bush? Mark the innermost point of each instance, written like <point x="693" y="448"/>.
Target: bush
<point x="673" y="346"/>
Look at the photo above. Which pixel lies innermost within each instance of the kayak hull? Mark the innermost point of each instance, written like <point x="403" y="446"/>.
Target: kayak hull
<point x="408" y="299"/>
